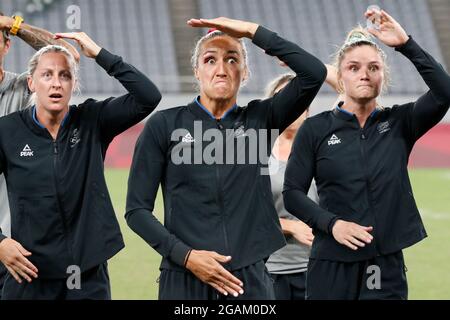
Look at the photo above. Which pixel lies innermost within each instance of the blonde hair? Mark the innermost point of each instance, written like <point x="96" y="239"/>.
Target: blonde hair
<point x="34" y="61"/>
<point x="276" y="83"/>
<point x="358" y="37"/>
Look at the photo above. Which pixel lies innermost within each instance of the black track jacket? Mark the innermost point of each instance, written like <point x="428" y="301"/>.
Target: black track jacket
<point x="60" y="207"/>
<point x="361" y="173"/>
<point x="227" y="208"/>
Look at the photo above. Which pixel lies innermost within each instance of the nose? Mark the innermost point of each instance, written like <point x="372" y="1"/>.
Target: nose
<point x="56" y="82"/>
<point x="221" y="71"/>
<point x="365" y="74"/>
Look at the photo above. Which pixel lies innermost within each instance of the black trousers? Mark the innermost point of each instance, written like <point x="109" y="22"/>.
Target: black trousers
<point x="289" y="286"/>
<point x="179" y="285"/>
<point x="3" y="274"/>
<point x="94" y="285"/>
<point x="380" y="278"/>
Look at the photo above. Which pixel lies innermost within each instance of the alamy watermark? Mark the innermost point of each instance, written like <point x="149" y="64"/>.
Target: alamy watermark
<point x="74" y="279"/>
<point x="238" y="146"/>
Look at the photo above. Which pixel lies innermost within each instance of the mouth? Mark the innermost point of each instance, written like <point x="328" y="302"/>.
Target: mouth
<point x="55" y="97"/>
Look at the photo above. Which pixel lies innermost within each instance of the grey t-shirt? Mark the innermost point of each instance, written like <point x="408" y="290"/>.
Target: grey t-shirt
<point x="293" y="257"/>
<point x="14" y="96"/>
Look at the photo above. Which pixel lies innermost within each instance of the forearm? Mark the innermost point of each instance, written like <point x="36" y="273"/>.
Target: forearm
<point x="38" y="38"/>
<point x="299" y="205"/>
<point x="310" y="69"/>
<point x="140" y="87"/>
<point x="433" y="74"/>
<point x="332" y="78"/>
<point x="145" y="224"/>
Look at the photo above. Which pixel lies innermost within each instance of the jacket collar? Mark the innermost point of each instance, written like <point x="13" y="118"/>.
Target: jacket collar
<point x="35" y="126"/>
<point x="348" y="116"/>
<point x="200" y="111"/>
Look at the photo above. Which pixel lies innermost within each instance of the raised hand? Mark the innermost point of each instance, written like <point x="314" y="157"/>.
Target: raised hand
<point x="391" y="32"/>
<point x="88" y="47"/>
<point x="234" y="28"/>
<point x="207" y="266"/>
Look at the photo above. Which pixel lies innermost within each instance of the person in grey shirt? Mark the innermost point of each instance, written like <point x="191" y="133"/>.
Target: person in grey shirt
<point x="288" y="265"/>
<point x="14" y="95"/>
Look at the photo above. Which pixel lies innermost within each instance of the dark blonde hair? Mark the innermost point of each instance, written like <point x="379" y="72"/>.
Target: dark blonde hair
<point x="276" y="83"/>
<point x="358" y="37"/>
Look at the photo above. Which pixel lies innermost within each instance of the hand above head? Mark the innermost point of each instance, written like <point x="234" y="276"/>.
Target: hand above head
<point x="13" y="256"/>
<point x="6" y="23"/>
<point x="234" y="28"/>
<point x="391" y="33"/>
<point x="207" y="266"/>
<point x="351" y="234"/>
<point x="88" y="47"/>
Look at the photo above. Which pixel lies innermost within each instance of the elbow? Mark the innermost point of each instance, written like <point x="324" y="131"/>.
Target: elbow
<point x="321" y="73"/>
<point x="153" y="100"/>
<point x="289" y="201"/>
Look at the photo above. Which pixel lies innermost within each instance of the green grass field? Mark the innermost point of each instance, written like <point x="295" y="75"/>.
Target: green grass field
<point x="134" y="271"/>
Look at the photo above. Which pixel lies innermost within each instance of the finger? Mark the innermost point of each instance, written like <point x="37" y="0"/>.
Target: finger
<point x="28" y="264"/>
<point x="22" y="250"/>
<point x="221" y="258"/>
<point x="67" y="35"/>
<point x="218" y="288"/>
<point x="229" y="276"/>
<point x="364" y="236"/>
<point x="356" y="242"/>
<point x="386" y="16"/>
<point x="374" y="32"/>
<point x="235" y="289"/>
<point x="350" y="245"/>
<point x="28" y="267"/>
<point x="194" y="23"/>
<point x="309" y="243"/>
<point x="22" y="274"/>
<point x="14" y="274"/>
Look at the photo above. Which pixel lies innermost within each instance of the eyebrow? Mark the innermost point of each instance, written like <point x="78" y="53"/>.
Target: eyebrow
<point x="215" y="51"/>
<point x="357" y="62"/>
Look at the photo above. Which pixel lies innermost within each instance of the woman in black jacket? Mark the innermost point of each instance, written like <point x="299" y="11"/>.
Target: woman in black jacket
<point x="63" y="226"/>
<point x="358" y="155"/>
<point x="220" y="223"/>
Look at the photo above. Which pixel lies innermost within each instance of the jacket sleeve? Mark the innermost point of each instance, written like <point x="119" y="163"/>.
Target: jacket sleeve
<point x="431" y="107"/>
<point x="299" y="174"/>
<point x="286" y="106"/>
<point x="119" y="114"/>
<point x="146" y="173"/>
<point x="2" y="168"/>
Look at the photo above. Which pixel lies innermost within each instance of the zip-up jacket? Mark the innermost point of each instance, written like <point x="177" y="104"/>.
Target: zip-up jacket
<point x="60" y="207"/>
<point x="218" y="206"/>
<point x="361" y="173"/>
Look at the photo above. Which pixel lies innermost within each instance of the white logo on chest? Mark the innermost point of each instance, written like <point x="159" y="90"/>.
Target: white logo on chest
<point x="26" y="152"/>
<point x="334" y="140"/>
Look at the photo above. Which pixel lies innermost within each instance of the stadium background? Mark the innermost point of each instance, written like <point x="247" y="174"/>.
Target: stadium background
<point x="153" y="36"/>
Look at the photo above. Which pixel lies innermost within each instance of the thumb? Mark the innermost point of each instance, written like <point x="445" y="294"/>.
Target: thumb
<point x="23" y="251"/>
<point x="368" y="228"/>
<point x="222" y="259"/>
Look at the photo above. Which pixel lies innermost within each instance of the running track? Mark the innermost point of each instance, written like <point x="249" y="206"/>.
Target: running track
<point x="431" y="151"/>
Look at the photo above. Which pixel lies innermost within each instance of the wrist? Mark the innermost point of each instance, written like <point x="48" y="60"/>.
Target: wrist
<point x="16" y="25"/>
<point x="251" y="29"/>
